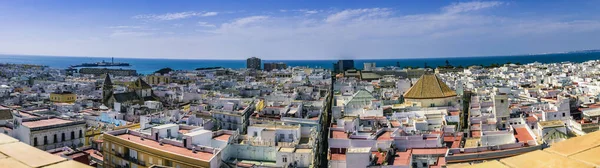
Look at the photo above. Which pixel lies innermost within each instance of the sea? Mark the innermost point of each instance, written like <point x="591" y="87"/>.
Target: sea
<point x="148" y="66"/>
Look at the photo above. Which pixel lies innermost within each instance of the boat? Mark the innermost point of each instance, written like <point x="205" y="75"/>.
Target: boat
<point x="102" y="64"/>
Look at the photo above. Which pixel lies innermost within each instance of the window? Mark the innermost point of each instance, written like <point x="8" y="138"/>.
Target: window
<point x="45" y="140"/>
<point x="284" y="158"/>
<point x="80" y="134"/>
<point x="35" y="141"/>
<point x="501" y="101"/>
<point x="291" y="136"/>
<point x="255" y="134"/>
<point x="55" y="138"/>
<point x="563" y="114"/>
<point x="72" y="134"/>
<point x="63" y="136"/>
<point x="281" y="136"/>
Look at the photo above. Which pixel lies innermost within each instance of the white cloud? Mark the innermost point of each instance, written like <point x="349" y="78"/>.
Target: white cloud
<point x="311" y="11"/>
<point x="245" y="21"/>
<point x="125" y="33"/>
<point x="357" y="13"/>
<point x="205" y="24"/>
<point x="305" y="11"/>
<point x="209" y="14"/>
<point x="470" y="6"/>
<point x="174" y="16"/>
<point x="454" y="30"/>
<point x="124" y="27"/>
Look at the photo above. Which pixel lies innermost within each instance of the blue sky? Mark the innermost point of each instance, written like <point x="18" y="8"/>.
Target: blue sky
<point x="296" y="29"/>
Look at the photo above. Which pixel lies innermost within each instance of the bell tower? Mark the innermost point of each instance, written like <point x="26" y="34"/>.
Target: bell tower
<point x="107" y="90"/>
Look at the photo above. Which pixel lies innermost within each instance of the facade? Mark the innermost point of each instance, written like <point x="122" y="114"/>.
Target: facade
<point x="50" y="133"/>
<point x="100" y="71"/>
<point x="132" y="148"/>
<point x="369" y="66"/>
<point x="253" y="63"/>
<point x="63" y="97"/>
<point x="274" y="65"/>
<point x="232" y="114"/>
<point x="343" y="65"/>
<point x="158" y="79"/>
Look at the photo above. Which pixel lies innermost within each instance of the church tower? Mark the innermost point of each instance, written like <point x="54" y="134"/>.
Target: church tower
<point x="107" y="90"/>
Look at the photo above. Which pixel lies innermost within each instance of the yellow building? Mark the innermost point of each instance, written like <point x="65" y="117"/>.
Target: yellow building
<point x="63" y="97"/>
<point x="128" y="148"/>
<point x="155" y="79"/>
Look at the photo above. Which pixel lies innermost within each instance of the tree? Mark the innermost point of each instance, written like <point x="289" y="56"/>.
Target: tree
<point x="447" y="63"/>
<point x="164" y="71"/>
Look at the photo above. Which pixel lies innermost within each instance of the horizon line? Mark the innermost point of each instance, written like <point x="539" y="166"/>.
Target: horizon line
<point x="436" y="57"/>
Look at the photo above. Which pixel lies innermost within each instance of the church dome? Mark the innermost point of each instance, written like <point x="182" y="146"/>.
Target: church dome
<point x="429" y="86"/>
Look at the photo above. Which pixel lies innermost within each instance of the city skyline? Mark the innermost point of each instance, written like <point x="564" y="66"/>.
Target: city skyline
<point x="291" y="30"/>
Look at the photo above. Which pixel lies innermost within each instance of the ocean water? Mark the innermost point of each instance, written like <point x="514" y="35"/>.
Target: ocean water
<point x="148" y="66"/>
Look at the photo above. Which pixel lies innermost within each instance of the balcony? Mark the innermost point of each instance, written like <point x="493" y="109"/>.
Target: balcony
<point x="141" y="163"/>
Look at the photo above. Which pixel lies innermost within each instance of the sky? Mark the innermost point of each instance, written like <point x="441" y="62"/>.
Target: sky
<point x="295" y="30"/>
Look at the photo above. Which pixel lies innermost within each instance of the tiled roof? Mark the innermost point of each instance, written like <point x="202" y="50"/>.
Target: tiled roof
<point x="429" y="86"/>
<point x="126" y="96"/>
<point x="361" y="98"/>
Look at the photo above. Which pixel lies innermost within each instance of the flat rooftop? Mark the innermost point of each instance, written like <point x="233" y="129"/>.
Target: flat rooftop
<point x="579" y="151"/>
<point x="204" y="156"/>
<point x="222" y="137"/>
<point x="338" y="156"/>
<point x="555" y="123"/>
<point x="430" y="151"/>
<point x="16" y="154"/>
<point x="339" y="135"/>
<point x="523" y="135"/>
<point x="45" y="122"/>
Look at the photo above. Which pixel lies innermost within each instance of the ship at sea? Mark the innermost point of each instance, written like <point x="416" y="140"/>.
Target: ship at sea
<point x="101" y="64"/>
